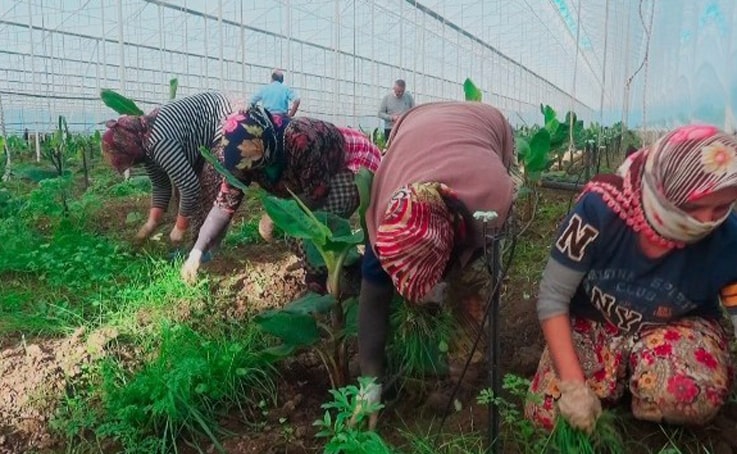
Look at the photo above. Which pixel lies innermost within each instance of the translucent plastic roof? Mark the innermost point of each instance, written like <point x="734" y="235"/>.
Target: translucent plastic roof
<point x="343" y="55"/>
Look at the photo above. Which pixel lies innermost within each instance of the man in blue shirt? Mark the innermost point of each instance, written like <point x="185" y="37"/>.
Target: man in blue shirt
<point x="276" y="97"/>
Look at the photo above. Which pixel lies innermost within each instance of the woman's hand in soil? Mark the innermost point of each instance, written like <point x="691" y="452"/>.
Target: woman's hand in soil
<point x="180" y="228"/>
<point x="579" y="405"/>
<point x="154" y="217"/>
<point x="191" y="266"/>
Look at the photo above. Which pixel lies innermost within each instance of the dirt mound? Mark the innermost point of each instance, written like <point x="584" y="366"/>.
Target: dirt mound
<point x="33" y="375"/>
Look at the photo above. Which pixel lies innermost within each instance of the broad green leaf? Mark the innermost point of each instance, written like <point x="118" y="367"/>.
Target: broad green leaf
<point x="571" y="118"/>
<point x="215" y="162"/>
<point x="278" y="352"/>
<point x="553" y="125"/>
<point x="536" y="160"/>
<point x="292" y="329"/>
<point x="548" y="113"/>
<point x="341" y="236"/>
<point x="294" y="221"/>
<point x="522" y="146"/>
<point x="311" y="303"/>
<point x="352" y="257"/>
<point x="119" y="103"/>
<point x="173" y="85"/>
<point x="471" y="91"/>
<point x="313" y="255"/>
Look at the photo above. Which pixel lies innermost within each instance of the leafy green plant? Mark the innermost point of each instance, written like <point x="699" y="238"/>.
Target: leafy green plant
<point x="420" y="339"/>
<point x="471" y="91"/>
<point x="605" y="439"/>
<point x="526" y="436"/>
<point x="173" y="85"/>
<point x="347" y="430"/>
<point x="119" y="103"/>
<point x="330" y="242"/>
<point x="177" y="393"/>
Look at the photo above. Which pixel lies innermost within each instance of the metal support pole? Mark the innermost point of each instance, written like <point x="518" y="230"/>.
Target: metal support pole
<point x="492" y="336"/>
<point x="492" y="254"/>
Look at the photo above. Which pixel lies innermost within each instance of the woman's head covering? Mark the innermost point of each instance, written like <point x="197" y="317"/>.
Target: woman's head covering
<point x="123" y="142"/>
<point x="416" y="236"/>
<point x="683" y="166"/>
<point x="253" y="139"/>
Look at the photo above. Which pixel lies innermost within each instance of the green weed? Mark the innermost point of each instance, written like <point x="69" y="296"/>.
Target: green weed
<point x="346" y="429"/>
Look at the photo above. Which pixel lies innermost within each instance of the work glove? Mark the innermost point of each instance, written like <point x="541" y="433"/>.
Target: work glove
<point x="154" y="217"/>
<point x="191" y="266"/>
<point x="369" y="395"/>
<point x="180" y="228"/>
<point x="266" y="228"/>
<point x="579" y="405"/>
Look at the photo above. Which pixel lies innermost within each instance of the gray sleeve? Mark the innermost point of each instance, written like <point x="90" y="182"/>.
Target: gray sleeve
<point x="213" y="229"/>
<point x="558" y="285"/>
<point x="411" y="101"/>
<point x="383" y="110"/>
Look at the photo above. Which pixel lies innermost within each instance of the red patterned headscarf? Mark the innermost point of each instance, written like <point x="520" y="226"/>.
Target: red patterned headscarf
<point x="653" y="184"/>
<point x="415" y="239"/>
<point x="123" y="142"/>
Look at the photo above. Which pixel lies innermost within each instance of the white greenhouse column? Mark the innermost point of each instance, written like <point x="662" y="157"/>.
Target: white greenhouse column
<point x="121" y="47"/>
<point x="355" y="62"/>
<point x="242" y="94"/>
<point x="336" y="56"/>
<point x="603" y="66"/>
<point x="206" y="53"/>
<point x="34" y="87"/>
<point x="220" y="52"/>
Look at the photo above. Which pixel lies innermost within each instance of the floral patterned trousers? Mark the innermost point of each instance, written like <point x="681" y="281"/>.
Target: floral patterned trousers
<point x="678" y="373"/>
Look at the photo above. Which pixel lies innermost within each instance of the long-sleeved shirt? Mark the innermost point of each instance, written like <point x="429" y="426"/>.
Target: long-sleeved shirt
<point x="391" y="105"/>
<point x="172" y="149"/>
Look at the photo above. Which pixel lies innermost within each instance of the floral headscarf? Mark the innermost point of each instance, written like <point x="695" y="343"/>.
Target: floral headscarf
<point x="683" y="166"/>
<point x="416" y="237"/>
<point x="254" y="139"/>
<point x="123" y="142"/>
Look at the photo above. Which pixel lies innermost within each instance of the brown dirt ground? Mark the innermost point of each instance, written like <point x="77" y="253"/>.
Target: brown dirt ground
<point x="253" y="277"/>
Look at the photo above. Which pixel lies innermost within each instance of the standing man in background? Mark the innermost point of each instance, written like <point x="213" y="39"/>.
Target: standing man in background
<point x="395" y="104"/>
<point x="276" y="97"/>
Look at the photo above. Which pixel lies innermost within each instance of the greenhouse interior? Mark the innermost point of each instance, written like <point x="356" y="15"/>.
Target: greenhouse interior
<point x="368" y="226"/>
<point x="650" y="63"/>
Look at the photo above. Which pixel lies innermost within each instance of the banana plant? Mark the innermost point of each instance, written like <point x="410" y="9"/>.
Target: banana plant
<point x="330" y="242"/>
<point x="173" y="85"/>
<point x="119" y="103"/>
<point x="471" y="91"/>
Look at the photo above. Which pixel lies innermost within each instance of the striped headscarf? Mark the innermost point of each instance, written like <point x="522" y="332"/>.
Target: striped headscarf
<point x="415" y="239"/>
<point x="683" y="166"/>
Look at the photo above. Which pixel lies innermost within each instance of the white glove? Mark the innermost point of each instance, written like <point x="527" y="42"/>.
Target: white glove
<point x="579" y="405"/>
<point x="177" y="235"/>
<point x="266" y="228"/>
<point x="191" y="266"/>
<point x="367" y="396"/>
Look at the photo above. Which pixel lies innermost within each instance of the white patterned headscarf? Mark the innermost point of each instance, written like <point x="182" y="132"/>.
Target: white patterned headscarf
<point x="683" y="166"/>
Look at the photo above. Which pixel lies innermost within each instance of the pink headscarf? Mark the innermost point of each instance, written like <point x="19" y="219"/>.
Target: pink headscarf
<point x="123" y="142"/>
<point x="653" y="184"/>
